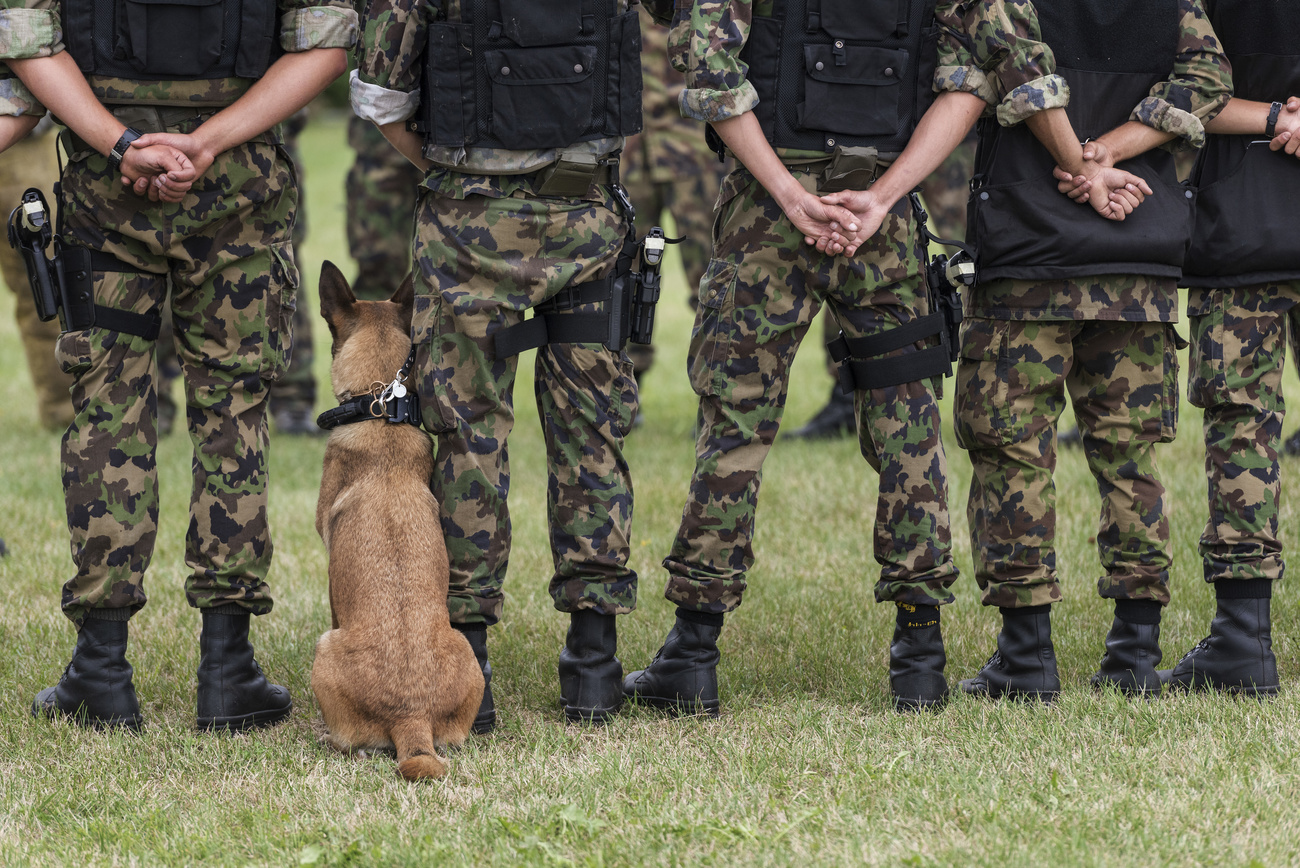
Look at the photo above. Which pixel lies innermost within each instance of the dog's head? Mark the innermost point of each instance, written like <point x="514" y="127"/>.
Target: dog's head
<point x="371" y="339"/>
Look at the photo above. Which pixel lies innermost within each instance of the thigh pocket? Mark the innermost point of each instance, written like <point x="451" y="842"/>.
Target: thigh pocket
<point x="983" y="417"/>
<point x="714" y="329"/>
<point x="281" y="303"/>
<point x="431" y="381"/>
<point x="1208" y="377"/>
<point x="72" y="352"/>
<point x="1169" y="394"/>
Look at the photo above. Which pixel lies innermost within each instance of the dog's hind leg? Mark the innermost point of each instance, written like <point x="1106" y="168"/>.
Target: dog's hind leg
<point x="416" y="756"/>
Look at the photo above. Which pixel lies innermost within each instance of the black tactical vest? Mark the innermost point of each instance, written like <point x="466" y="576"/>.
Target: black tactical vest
<point x="1110" y="52"/>
<point x="531" y="74"/>
<point x="1245" y="224"/>
<point x="172" y="40"/>
<point x="852" y="73"/>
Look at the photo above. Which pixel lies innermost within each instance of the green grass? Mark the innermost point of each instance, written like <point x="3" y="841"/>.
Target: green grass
<point x="807" y="764"/>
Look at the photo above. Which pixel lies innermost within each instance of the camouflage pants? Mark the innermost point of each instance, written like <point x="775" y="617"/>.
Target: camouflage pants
<point x="758" y="298"/>
<point x="31" y="163"/>
<point x="226" y="250"/>
<point x="295" y="389"/>
<point x="1122" y="379"/>
<point x="381" y="188"/>
<point x="690" y="203"/>
<point x="1239" y="351"/>
<point x="482" y="261"/>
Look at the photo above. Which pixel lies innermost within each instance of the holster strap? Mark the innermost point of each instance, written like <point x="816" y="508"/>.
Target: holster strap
<point x="860" y="369"/>
<point x="141" y="325"/>
<point x="552" y="324"/>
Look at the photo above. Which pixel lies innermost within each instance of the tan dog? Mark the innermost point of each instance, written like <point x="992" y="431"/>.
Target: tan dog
<point x="392" y="673"/>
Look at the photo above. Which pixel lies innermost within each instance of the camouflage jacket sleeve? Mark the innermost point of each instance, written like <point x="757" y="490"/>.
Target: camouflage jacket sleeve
<point x="1001" y="40"/>
<point x="386" y="83"/>
<point x="705" y="44"/>
<point x="308" y="24"/>
<point x="1199" y="87"/>
<point x="29" y="28"/>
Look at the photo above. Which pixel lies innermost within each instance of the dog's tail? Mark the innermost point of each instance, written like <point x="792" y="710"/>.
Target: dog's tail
<point x="416" y="756"/>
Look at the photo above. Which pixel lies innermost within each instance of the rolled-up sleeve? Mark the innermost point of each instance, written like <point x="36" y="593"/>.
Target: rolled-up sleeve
<point x="704" y="45"/>
<point x="29" y="28"/>
<point x="324" y="25"/>
<point x="1199" y="87"/>
<point x="15" y="98"/>
<point x="385" y="86"/>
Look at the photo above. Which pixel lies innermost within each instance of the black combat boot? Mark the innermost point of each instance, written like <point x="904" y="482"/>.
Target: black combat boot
<point x="1024" y="666"/>
<point x="1132" y="650"/>
<point x="591" y="677"/>
<point x="1237" y="656"/>
<point x="916" y="659"/>
<point x="486" y="719"/>
<point x="683" y="677"/>
<point x="96" y="688"/>
<point x="233" y="693"/>
<point x="837" y="419"/>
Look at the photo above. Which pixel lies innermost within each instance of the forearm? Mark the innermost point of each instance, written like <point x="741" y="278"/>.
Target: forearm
<point x="744" y="138"/>
<point x="292" y="81"/>
<point x="1132" y="138"/>
<point x="1054" y="131"/>
<point x="1240" y="117"/>
<point x="409" y="144"/>
<point x="941" y="130"/>
<point x="58" y="84"/>
<point x="15" y="129"/>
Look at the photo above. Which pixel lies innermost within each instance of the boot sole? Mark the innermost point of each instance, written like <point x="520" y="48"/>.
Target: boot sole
<point x="484" y="725"/>
<point x="1252" y="690"/>
<point x="1047" y="697"/>
<point x="134" y="723"/>
<point x="679" y="707"/>
<point x="245" y="722"/>
<point x="589" y="716"/>
<point x="908" y="705"/>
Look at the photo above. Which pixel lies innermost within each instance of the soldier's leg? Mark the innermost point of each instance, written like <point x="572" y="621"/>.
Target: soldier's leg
<point x="744" y="340"/>
<point x="837" y="417"/>
<point x="381" y="192"/>
<point x="1124" y="388"/>
<point x="1010" y="393"/>
<point x="900" y="434"/>
<point x="232" y="311"/>
<point x="1239" y="339"/>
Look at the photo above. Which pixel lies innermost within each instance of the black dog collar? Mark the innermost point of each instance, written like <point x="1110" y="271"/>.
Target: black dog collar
<point x="393" y="403"/>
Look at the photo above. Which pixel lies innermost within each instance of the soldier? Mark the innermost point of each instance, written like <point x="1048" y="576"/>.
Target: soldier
<point x="522" y="108"/>
<point x="766" y="282"/>
<point x="1069" y="303"/>
<point x="668" y="167"/>
<point x="217" y="224"/>
<point x="381" y="187"/>
<point x="1243" y="269"/>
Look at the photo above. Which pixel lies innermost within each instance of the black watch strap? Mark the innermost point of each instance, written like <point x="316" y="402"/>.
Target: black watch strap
<point x="116" y="155"/>
<point x="1270" y="128"/>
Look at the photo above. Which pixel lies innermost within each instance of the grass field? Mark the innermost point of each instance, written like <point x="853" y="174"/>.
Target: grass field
<point x="807" y="764"/>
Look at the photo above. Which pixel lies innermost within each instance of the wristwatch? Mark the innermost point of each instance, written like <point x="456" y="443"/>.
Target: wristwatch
<point x="119" y="150"/>
<point x="1270" y="128"/>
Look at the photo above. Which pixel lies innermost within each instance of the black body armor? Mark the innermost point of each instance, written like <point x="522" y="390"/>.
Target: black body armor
<point x="531" y="74"/>
<point x="181" y="40"/>
<point x="1111" y="52"/>
<point x="1245" y="228"/>
<point x="843" y="73"/>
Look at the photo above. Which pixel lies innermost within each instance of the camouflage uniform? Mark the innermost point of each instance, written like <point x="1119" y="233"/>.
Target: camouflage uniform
<point x="669" y="168"/>
<point x="1108" y="341"/>
<point x="756" y="303"/>
<point x="381" y="192"/>
<point x="488" y="248"/>
<point x="227" y="253"/>
<point x="32" y="163"/>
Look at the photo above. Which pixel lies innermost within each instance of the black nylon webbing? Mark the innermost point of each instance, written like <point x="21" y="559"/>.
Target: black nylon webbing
<point x="860" y="369"/>
<point x="127" y="322"/>
<point x="551" y="325"/>
<point x="894" y="339"/>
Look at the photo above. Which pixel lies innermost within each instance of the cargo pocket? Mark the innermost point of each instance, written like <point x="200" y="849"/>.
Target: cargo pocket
<point x="1169" y="398"/>
<point x="541" y="97"/>
<point x="983" y="418"/>
<point x="171" y="37"/>
<point x="1209" y="377"/>
<point x="712" y="334"/>
<point x="429" y="381"/>
<point x="852" y="90"/>
<point x="72" y="352"/>
<point x="281" y="303"/>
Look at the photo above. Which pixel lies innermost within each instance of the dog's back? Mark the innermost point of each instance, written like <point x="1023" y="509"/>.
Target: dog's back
<point x="392" y="673"/>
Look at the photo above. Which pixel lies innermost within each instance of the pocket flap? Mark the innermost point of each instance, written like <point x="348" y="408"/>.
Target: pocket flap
<point x="528" y="67"/>
<point x="858" y="65"/>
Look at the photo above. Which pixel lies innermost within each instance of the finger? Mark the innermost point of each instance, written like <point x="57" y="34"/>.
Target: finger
<point x="1293" y="104"/>
<point x="1090" y="151"/>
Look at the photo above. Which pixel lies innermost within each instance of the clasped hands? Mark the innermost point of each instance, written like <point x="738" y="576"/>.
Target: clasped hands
<point x="163" y="166"/>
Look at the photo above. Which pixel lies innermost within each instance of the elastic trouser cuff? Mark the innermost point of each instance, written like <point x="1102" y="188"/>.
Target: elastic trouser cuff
<point x="708" y="619"/>
<point x="1243" y="589"/>
<point x="122" y="614"/>
<point x="226" y="609"/>
<point x="917" y="616"/>
<point x="1138" y="611"/>
<point x="1024" y="611"/>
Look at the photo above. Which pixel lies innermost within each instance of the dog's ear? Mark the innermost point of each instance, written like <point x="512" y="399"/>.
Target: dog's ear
<point x="405" y="298"/>
<point x="335" y="294"/>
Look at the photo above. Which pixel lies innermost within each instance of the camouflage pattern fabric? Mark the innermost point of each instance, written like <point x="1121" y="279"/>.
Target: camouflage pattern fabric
<point x="31" y="163"/>
<point x="1012" y="380"/>
<point x="487" y="250"/>
<point x="227" y="252"/>
<point x="761" y="292"/>
<point x="668" y="169"/>
<point x="295" y="391"/>
<point x="1238" y="353"/>
<point x="381" y="192"/>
